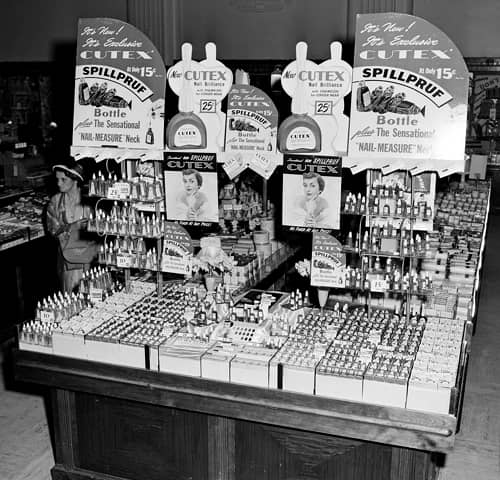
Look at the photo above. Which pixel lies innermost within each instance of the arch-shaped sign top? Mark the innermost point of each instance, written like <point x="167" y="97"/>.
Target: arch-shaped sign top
<point x="410" y="85"/>
<point x="119" y="87"/>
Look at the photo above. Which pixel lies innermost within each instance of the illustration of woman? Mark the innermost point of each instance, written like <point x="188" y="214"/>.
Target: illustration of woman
<point x="191" y="203"/>
<point x="311" y="209"/>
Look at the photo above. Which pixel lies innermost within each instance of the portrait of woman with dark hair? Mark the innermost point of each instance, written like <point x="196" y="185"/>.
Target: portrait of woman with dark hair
<point x="192" y="204"/>
<point x="311" y="209"/>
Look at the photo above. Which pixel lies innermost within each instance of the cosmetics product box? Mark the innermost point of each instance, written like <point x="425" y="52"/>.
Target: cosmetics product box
<point x="250" y="365"/>
<point x="215" y="362"/>
<point x="182" y="354"/>
<point x="342" y="387"/>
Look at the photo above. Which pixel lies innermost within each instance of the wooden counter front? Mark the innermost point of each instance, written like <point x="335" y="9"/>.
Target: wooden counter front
<point x="139" y="424"/>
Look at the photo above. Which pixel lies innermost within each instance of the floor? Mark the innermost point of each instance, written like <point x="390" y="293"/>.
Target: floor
<point x="26" y="453"/>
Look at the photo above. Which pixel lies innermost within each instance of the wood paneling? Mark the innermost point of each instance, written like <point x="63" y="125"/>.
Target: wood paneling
<point x="221" y="448"/>
<point x="275" y="453"/>
<point x="118" y="437"/>
<point x="65" y="427"/>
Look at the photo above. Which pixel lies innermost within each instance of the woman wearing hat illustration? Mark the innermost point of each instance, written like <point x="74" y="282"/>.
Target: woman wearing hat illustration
<point x="66" y="219"/>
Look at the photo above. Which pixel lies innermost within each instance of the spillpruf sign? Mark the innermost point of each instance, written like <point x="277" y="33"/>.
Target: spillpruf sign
<point x="410" y="86"/>
<point x="119" y="87"/>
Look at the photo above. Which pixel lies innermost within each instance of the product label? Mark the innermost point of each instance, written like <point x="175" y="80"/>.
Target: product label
<point x="311" y="191"/>
<point x="187" y="134"/>
<point x="410" y="86"/>
<point x="300" y="138"/>
<point x="119" y="87"/>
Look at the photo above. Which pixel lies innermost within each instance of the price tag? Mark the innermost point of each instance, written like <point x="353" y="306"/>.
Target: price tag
<point x="47" y="316"/>
<point x="20" y="145"/>
<point x="113" y="193"/>
<point x="123" y="261"/>
<point x="208" y="106"/>
<point x="378" y="284"/>
<point x="323" y="107"/>
<point x="234" y="165"/>
<point x="122" y="190"/>
<point x="227" y="206"/>
<point x="96" y="294"/>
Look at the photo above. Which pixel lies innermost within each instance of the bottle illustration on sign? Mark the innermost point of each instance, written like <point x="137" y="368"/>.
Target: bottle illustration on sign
<point x="150" y="139"/>
<point x="385" y="100"/>
<point x="99" y="95"/>
<point x="363" y="99"/>
<point x="186" y="130"/>
<point x="83" y="93"/>
<point x="299" y="133"/>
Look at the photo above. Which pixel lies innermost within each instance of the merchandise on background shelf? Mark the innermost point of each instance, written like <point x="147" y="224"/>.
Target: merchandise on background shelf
<point x="21" y="221"/>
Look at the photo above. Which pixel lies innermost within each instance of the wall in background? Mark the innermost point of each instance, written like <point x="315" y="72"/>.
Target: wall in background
<point x="472" y="25"/>
<point x="268" y="29"/>
<point x="32" y="30"/>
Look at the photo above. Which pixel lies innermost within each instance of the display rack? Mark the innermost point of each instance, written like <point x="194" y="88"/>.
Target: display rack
<point x="121" y="192"/>
<point x="386" y="233"/>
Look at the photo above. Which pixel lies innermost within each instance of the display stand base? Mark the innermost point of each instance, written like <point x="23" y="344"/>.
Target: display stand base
<point x="116" y="423"/>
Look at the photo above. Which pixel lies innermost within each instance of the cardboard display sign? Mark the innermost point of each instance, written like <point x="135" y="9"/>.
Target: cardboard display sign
<point x="327" y="261"/>
<point x="251" y="132"/>
<point x="252" y="121"/>
<point x="191" y="188"/>
<point x="410" y="86"/>
<point x="317" y="93"/>
<point x="177" y="250"/>
<point x="119" y="87"/>
<point x="311" y="192"/>
<point x="201" y="87"/>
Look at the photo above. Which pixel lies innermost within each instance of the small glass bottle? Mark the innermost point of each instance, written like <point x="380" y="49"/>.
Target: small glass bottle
<point x="363" y="97"/>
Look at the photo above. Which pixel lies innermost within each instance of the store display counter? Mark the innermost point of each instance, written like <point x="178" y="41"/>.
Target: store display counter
<point x="139" y="424"/>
